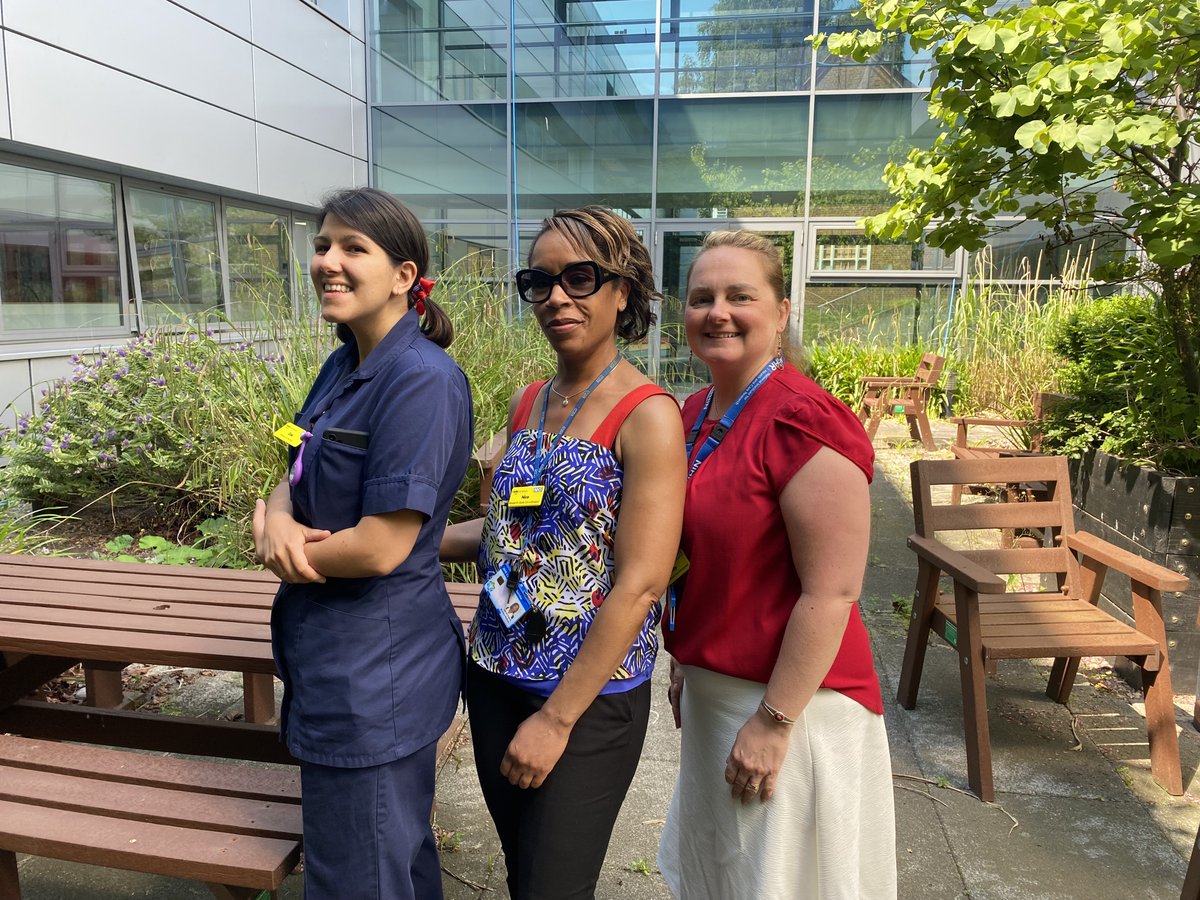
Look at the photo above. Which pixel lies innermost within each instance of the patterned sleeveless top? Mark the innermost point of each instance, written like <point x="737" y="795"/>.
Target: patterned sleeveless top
<point x="565" y="550"/>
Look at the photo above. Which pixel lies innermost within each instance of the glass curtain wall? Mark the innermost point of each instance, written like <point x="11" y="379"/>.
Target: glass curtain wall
<point x="684" y="115"/>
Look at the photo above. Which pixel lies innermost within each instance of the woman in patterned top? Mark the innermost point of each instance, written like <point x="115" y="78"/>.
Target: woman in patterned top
<point x="577" y="546"/>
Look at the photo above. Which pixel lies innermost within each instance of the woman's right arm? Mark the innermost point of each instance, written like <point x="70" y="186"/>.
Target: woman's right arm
<point x="279" y="539"/>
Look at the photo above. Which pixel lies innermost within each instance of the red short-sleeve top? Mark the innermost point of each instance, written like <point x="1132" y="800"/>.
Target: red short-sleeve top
<point x="742" y="586"/>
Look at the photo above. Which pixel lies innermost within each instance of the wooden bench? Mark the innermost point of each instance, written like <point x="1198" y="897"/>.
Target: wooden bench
<point x="1050" y="612"/>
<point x="238" y="828"/>
<point x="907" y="395"/>
<point x="55" y="613"/>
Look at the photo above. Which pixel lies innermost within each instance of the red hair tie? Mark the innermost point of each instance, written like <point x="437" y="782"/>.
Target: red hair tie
<point x="420" y="291"/>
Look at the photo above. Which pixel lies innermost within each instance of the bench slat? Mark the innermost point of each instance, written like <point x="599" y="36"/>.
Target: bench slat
<point x="154" y="622"/>
<point x="111" y="568"/>
<point x="31" y="586"/>
<point x="131" y="646"/>
<point x="1068" y="645"/>
<point x="166" y="806"/>
<point x="186" y="609"/>
<point x="253" y="782"/>
<point x="241" y="860"/>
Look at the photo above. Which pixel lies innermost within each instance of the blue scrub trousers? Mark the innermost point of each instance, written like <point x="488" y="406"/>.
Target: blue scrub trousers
<point x="366" y="830"/>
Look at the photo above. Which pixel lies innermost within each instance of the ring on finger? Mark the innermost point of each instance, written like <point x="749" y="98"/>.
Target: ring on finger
<point x="752" y="788"/>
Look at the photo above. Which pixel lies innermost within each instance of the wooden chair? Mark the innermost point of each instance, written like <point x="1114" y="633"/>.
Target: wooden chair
<point x="986" y="620"/>
<point x="1043" y="401"/>
<point x="488" y="455"/>
<point x="908" y="395"/>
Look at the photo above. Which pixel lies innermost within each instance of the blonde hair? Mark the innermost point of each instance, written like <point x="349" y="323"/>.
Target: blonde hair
<point x="754" y="242"/>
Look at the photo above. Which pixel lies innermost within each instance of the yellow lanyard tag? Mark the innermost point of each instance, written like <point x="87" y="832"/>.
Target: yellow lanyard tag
<point x="290" y="434"/>
<point x="527" y="495"/>
<point x="680" y="568"/>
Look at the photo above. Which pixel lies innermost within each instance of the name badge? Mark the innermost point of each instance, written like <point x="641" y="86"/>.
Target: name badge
<point x="509" y="598"/>
<point x="679" y="569"/>
<point x="291" y="434"/>
<point x="527" y="495"/>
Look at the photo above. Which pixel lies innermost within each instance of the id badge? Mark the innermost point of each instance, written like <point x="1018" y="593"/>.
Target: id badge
<point x="527" y="495"/>
<point x="680" y="567"/>
<point x="510" y="600"/>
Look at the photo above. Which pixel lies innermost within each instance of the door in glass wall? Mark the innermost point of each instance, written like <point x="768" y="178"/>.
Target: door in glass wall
<point x="678" y="370"/>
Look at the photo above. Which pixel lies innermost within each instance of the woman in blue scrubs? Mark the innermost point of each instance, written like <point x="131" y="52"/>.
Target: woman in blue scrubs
<point x="367" y="644"/>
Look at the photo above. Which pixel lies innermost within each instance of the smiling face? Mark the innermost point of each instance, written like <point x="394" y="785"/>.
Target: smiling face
<point x="586" y="325"/>
<point x="734" y="318"/>
<point x="357" y="281"/>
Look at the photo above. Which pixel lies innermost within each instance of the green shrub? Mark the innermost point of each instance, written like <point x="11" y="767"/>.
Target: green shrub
<point x="838" y="366"/>
<point x="177" y="425"/>
<point x="1126" y="385"/>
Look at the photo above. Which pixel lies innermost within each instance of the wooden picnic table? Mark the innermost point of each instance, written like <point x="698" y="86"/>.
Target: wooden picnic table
<point x="57" y="612"/>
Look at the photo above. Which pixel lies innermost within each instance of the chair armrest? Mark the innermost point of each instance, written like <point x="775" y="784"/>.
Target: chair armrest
<point x="964" y="571"/>
<point x="490" y="452"/>
<point x="978" y="420"/>
<point x="1142" y="570"/>
<point x="873" y="381"/>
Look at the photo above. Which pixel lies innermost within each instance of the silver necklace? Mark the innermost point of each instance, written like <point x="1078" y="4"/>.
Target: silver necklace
<point x="566" y="398"/>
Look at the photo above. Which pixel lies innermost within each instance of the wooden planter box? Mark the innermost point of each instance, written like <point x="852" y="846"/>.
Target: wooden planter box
<point x="1158" y="517"/>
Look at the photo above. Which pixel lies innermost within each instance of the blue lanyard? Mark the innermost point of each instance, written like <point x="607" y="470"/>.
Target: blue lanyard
<point x="711" y="443"/>
<point x="722" y="427"/>
<point x="542" y="457"/>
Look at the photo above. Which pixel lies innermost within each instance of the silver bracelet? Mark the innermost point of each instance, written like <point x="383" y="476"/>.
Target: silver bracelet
<point x="776" y="714"/>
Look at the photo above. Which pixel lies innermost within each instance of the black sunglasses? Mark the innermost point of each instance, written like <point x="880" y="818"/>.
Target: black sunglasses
<point x="578" y="280"/>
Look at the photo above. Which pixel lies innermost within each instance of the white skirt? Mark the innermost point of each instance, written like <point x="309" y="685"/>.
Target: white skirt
<point x="827" y="832"/>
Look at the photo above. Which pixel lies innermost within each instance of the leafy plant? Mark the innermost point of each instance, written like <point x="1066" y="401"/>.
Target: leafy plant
<point x="26" y="531"/>
<point x="1079" y="115"/>
<point x="1127" y="391"/>
<point x="176" y="426"/>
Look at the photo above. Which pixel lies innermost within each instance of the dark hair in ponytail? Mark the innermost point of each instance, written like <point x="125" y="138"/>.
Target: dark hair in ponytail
<point x="391" y="225"/>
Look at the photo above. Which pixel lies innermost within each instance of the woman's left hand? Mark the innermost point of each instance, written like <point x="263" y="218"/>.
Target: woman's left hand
<point x="534" y="751"/>
<point x="756" y="758"/>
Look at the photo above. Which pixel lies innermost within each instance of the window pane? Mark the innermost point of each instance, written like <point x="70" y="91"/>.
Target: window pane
<point x="724" y="158"/>
<point x="854" y="137"/>
<point x="896" y="65"/>
<point x="431" y="50"/>
<point x="592" y="60"/>
<point x="444" y="160"/>
<point x="475" y="251"/>
<point x="58" y="252"/>
<point x="576" y="153"/>
<point x="737" y="46"/>
<point x="178" y="263"/>
<point x="883" y="313"/>
<point x="259" y="260"/>
<point x="1025" y="250"/>
<point x="850" y="250"/>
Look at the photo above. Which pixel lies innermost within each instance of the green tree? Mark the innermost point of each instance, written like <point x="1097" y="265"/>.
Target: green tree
<point x="1080" y="114"/>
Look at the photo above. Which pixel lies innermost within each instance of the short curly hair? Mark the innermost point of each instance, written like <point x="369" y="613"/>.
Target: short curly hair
<point x="599" y="234"/>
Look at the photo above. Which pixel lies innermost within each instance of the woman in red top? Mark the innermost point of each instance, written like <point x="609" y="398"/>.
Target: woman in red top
<point x="785" y="779"/>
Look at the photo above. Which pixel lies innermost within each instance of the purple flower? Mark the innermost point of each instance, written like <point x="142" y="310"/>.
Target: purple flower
<point x="111" y="434"/>
<point x="96" y="439"/>
<point x="65" y="443"/>
<point x="120" y="373"/>
<point x="22" y="424"/>
<point x="106" y="457"/>
<point x="125" y="443"/>
<point x="122" y="352"/>
<point x="48" y="447"/>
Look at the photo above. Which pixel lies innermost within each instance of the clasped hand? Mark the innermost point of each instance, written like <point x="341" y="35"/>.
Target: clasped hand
<point x="279" y="545"/>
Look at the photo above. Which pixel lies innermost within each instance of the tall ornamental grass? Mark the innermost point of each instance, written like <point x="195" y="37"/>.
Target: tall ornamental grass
<point x="174" y="430"/>
<point x="997" y="339"/>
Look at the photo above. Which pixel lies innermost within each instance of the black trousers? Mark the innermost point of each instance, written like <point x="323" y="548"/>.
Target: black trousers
<point x="555" y="837"/>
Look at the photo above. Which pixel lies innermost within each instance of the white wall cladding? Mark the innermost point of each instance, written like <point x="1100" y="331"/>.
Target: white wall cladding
<point x="232" y="94"/>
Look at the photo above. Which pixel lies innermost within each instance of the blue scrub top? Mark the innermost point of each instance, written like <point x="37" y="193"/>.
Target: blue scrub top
<point x="372" y="667"/>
